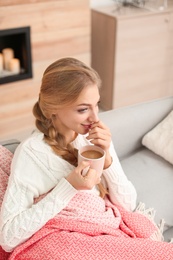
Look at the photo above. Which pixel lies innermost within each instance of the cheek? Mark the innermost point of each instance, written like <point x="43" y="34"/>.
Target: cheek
<point x="73" y="120"/>
<point x="76" y="118"/>
<point x="83" y="117"/>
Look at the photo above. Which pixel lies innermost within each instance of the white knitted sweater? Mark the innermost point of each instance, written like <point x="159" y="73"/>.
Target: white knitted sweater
<point x="37" y="170"/>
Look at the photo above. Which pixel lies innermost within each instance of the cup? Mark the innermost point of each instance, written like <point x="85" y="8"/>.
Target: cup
<point x="95" y="155"/>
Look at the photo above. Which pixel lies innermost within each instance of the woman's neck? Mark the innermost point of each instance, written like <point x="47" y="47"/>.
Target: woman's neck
<point x="71" y="137"/>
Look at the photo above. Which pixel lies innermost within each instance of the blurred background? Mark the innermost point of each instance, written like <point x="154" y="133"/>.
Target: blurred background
<point x="129" y="43"/>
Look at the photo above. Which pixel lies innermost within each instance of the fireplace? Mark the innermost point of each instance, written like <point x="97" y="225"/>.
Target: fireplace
<point x="15" y="55"/>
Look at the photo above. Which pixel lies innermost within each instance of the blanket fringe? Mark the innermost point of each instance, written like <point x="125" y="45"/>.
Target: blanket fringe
<point x="161" y="225"/>
<point x="150" y="214"/>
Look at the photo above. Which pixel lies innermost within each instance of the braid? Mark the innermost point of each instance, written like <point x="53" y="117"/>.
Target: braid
<point x="42" y="123"/>
<point x="54" y="139"/>
<point x="57" y="142"/>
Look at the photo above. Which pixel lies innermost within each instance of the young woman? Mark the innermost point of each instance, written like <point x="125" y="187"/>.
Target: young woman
<point x="50" y="210"/>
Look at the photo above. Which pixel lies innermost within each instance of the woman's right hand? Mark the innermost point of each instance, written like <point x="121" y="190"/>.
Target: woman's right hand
<point x="80" y="182"/>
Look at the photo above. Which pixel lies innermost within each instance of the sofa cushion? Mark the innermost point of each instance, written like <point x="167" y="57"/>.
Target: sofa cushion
<point x="129" y="124"/>
<point x="10" y="144"/>
<point x="152" y="177"/>
<point x="160" y="138"/>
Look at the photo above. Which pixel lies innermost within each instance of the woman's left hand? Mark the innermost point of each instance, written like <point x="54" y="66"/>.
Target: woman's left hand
<point x="100" y="135"/>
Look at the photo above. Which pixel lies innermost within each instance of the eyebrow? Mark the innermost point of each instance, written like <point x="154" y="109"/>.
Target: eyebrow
<point x="84" y="104"/>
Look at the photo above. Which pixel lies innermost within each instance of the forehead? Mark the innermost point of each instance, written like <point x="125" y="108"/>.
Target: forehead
<point x="89" y="95"/>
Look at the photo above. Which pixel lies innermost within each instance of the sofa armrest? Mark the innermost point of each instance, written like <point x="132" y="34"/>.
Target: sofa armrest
<point x="129" y="124"/>
<point x="11" y="144"/>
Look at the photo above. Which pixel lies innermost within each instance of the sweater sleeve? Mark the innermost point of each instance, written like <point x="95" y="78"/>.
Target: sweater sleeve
<point x="121" y="190"/>
<point x="20" y="218"/>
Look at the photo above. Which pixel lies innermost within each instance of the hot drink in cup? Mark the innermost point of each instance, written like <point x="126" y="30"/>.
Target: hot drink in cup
<point x="95" y="155"/>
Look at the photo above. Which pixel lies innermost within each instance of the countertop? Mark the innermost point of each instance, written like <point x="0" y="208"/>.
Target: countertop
<point x="124" y="11"/>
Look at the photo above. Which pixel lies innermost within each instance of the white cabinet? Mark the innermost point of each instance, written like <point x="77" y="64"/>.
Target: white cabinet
<point x="132" y="50"/>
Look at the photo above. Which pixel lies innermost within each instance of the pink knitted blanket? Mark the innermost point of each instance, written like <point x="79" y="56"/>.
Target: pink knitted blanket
<point x="5" y="162"/>
<point x="91" y="228"/>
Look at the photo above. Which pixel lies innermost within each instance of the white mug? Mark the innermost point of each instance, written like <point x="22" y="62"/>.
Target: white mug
<point x="95" y="155"/>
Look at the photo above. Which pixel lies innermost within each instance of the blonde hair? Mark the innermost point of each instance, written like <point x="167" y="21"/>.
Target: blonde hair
<point x="62" y="83"/>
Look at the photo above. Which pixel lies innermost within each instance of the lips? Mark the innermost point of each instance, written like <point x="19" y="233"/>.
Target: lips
<point x="87" y="126"/>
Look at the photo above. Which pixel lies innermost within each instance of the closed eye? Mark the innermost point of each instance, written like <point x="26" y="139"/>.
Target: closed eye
<point x="82" y="110"/>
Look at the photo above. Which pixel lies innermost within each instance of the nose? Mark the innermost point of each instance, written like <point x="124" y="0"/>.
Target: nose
<point x="94" y="115"/>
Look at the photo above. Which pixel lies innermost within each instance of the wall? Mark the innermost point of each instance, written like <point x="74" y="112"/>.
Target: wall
<point x="94" y="3"/>
<point x="58" y="29"/>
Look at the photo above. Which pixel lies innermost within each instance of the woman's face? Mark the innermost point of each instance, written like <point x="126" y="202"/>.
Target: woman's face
<point x="78" y="117"/>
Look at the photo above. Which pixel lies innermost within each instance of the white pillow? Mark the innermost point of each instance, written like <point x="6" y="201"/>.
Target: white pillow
<point x="160" y="138"/>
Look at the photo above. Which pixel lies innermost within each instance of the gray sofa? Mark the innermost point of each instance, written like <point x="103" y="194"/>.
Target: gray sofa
<point x="151" y="175"/>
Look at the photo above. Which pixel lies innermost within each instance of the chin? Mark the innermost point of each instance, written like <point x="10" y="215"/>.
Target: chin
<point x="83" y="131"/>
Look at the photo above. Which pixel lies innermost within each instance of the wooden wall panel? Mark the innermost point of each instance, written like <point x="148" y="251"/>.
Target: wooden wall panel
<point x="58" y="29"/>
<point x="17" y="2"/>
